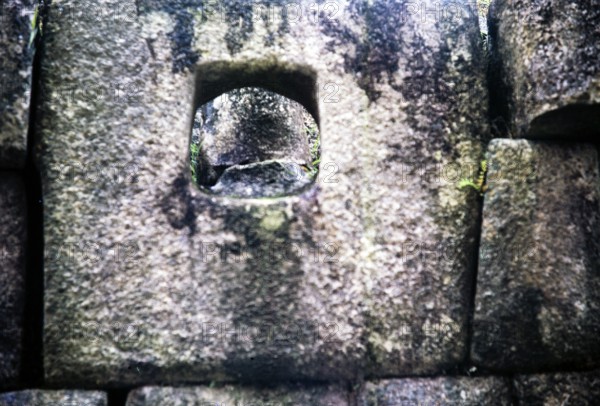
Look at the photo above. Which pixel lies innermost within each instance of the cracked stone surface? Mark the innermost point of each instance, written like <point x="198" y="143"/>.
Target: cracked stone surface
<point x="538" y="286"/>
<point x="12" y="276"/>
<point x="367" y="271"/>
<point x="545" y="67"/>
<point x="16" y="59"/>
<point x="434" y="391"/>
<point x="53" y="398"/>
<point x="238" y="396"/>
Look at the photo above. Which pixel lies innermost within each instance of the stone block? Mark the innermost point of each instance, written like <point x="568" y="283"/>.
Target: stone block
<point x="368" y="271"/>
<point x="459" y="391"/>
<point x="238" y="396"/>
<point x="36" y="397"/>
<point x="546" y="76"/>
<point x="538" y="286"/>
<point x="16" y="64"/>
<point x="558" y="389"/>
<point x="12" y="276"/>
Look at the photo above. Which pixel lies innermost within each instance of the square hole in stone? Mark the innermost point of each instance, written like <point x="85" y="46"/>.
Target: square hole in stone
<point x="251" y="142"/>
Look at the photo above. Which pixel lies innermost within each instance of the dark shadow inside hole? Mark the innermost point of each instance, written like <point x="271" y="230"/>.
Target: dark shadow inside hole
<point x="295" y="82"/>
<point x="251" y="142"/>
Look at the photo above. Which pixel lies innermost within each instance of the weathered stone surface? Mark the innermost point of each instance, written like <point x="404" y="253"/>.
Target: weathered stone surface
<point x="251" y="125"/>
<point x="434" y="391"/>
<point x="53" y="398"/>
<point x="238" y="396"/>
<point x="558" y="389"/>
<point x="16" y="59"/>
<point x="12" y="274"/>
<point x="239" y="134"/>
<point x="262" y="179"/>
<point x="545" y="63"/>
<point x="538" y="287"/>
<point x="168" y="284"/>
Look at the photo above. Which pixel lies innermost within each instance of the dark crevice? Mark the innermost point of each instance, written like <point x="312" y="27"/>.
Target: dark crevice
<point x="499" y="112"/>
<point x="473" y="272"/>
<point x="512" y="392"/>
<point x="32" y="373"/>
<point x="118" y="397"/>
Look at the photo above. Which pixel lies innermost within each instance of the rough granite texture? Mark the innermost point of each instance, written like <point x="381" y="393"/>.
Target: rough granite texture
<point x="12" y="275"/>
<point x="53" y="398"/>
<point x="238" y="396"/>
<point x="546" y="74"/>
<point x="16" y="59"/>
<point x="538" y="287"/>
<point x="367" y="272"/>
<point x="559" y="389"/>
<point x="455" y="391"/>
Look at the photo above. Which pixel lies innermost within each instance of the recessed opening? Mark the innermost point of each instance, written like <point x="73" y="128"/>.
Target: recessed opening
<point x="251" y="142"/>
<point x="256" y="129"/>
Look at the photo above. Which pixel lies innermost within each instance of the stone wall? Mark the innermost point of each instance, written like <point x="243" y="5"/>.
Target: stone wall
<point x="385" y="281"/>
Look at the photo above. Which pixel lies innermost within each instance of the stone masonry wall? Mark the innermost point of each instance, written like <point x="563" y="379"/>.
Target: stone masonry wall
<point x="447" y="253"/>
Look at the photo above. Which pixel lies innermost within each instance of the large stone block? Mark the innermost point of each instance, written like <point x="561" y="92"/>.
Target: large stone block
<point x="12" y="275"/>
<point x="16" y="62"/>
<point x="558" y="389"/>
<point x="238" y="396"/>
<point x="368" y="271"/>
<point x="538" y="286"/>
<point x="53" y="398"/>
<point x="436" y="391"/>
<point x="545" y="67"/>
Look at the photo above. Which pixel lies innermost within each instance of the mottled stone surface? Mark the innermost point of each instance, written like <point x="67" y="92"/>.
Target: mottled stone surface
<point x="16" y="59"/>
<point x="558" y="389"/>
<point x="367" y="272"/>
<point x="262" y="179"/>
<point x="251" y="125"/>
<point x="538" y="286"/>
<point x="457" y="391"/>
<point x="240" y="133"/>
<point x="238" y="396"/>
<point x="53" y="398"/>
<point x="545" y="67"/>
<point x="12" y="274"/>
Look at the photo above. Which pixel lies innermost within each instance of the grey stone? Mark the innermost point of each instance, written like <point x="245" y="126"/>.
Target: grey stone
<point x="457" y="391"/>
<point x="558" y="389"/>
<point x="262" y="179"/>
<point x="251" y="125"/>
<point x="12" y="275"/>
<point x="16" y="60"/>
<point x="239" y="396"/>
<point x="545" y="67"/>
<point x="538" y="288"/>
<point x="36" y="397"/>
<point x="153" y="280"/>
<point x="239" y="130"/>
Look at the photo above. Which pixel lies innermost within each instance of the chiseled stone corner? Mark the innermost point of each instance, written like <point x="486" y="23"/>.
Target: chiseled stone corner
<point x="35" y="397"/>
<point x="544" y="57"/>
<point x="433" y="391"/>
<point x="12" y="275"/>
<point x="367" y="272"/>
<point x="238" y="396"/>
<point x="538" y="286"/>
<point x="16" y="64"/>
<point x="576" y="388"/>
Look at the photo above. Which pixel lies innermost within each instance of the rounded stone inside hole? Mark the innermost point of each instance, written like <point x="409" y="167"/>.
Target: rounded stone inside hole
<point x="251" y="143"/>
